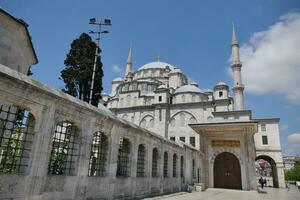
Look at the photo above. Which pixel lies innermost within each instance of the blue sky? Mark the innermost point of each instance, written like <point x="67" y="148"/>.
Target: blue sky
<point x="193" y="35"/>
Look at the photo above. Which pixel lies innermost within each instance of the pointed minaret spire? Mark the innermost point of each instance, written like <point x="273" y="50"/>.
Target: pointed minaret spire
<point x="234" y="40"/>
<point x="129" y="62"/>
<point x="236" y="66"/>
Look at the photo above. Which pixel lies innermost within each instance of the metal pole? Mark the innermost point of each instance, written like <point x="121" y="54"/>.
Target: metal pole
<point x="95" y="62"/>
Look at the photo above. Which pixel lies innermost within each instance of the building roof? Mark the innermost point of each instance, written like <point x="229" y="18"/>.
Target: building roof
<point x="188" y="88"/>
<point x="25" y="25"/>
<point x="156" y="65"/>
<point x="118" y="79"/>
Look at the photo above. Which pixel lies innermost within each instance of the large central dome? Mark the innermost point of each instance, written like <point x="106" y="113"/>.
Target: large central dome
<point x="156" y="65"/>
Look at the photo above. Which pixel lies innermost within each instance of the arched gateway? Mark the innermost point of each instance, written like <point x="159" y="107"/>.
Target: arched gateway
<point x="227" y="171"/>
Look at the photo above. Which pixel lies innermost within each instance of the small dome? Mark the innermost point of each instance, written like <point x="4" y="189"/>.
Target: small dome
<point x="176" y="70"/>
<point x="194" y="83"/>
<point x="208" y="91"/>
<point x="162" y="87"/>
<point x="157" y="65"/>
<point x="188" y="88"/>
<point x="221" y="83"/>
<point x="118" y="79"/>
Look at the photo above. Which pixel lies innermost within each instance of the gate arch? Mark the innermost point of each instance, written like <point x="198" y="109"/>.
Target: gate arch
<point x="227" y="171"/>
<point x="274" y="172"/>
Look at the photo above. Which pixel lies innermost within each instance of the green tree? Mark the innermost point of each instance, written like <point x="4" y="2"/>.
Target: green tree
<point x="77" y="74"/>
<point x="293" y="174"/>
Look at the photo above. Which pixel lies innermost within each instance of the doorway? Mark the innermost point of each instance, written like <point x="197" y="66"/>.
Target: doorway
<point x="227" y="171"/>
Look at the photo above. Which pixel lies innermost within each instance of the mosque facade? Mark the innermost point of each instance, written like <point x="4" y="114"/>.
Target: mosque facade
<point x="158" y="97"/>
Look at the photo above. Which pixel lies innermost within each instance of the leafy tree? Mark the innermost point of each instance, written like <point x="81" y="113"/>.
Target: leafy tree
<point x="77" y="74"/>
<point x="293" y="174"/>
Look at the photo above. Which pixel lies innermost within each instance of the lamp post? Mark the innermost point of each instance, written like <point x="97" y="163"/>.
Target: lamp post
<point x="106" y="22"/>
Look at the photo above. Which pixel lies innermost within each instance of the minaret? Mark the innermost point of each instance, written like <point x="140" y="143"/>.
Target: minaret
<point x="236" y="65"/>
<point x="129" y="63"/>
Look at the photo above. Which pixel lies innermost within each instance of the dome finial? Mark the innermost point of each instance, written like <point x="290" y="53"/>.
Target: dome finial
<point x="158" y="57"/>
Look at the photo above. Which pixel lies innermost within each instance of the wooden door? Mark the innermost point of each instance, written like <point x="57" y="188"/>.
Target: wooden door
<point x="227" y="171"/>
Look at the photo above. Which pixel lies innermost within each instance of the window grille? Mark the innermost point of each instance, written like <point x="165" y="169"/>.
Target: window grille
<point x="193" y="169"/>
<point x="98" y="155"/>
<point x="123" y="168"/>
<point x="141" y="161"/>
<point x="192" y="141"/>
<point x="165" y="164"/>
<point x="16" y="137"/>
<point x="182" y="139"/>
<point x="263" y="127"/>
<point x="174" y="165"/>
<point x="264" y="140"/>
<point x="64" y="149"/>
<point x="154" y="162"/>
<point x="181" y="166"/>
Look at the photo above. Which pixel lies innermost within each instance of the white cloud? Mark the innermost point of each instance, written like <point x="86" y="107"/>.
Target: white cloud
<point x="271" y="59"/>
<point x="293" y="145"/>
<point x="294" y="138"/>
<point x="116" y="69"/>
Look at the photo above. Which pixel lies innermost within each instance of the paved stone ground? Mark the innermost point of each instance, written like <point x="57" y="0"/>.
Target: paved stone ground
<point x="222" y="194"/>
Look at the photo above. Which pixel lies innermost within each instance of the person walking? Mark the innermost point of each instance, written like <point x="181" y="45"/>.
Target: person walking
<point x="261" y="182"/>
<point x="298" y="185"/>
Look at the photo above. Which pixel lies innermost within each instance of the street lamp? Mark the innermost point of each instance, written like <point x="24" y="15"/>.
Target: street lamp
<point x="105" y="22"/>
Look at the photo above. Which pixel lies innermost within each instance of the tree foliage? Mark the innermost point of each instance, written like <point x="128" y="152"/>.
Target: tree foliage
<point x="293" y="174"/>
<point x="77" y="74"/>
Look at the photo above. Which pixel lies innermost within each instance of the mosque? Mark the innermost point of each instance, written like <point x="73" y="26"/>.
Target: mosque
<point x="158" y="97"/>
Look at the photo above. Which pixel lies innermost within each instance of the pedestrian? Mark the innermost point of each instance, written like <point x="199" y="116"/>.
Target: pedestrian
<point x="298" y="185"/>
<point x="261" y="182"/>
<point x="265" y="182"/>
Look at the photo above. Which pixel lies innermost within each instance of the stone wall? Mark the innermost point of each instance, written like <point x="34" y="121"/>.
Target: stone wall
<point x="48" y="107"/>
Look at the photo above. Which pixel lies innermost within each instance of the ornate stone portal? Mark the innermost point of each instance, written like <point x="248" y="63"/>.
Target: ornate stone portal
<point x="232" y="145"/>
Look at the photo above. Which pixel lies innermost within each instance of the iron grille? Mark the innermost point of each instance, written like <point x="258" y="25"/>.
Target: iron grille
<point x="64" y="149"/>
<point x="141" y="161"/>
<point x="174" y="165"/>
<point x="16" y="137"/>
<point x="98" y="156"/>
<point x="165" y="164"/>
<point x="154" y="162"/>
<point x="181" y="166"/>
<point x="123" y="167"/>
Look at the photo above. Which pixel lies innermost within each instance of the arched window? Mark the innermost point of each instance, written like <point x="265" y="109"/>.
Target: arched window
<point x="183" y="98"/>
<point x="121" y="102"/>
<point x="16" y="138"/>
<point x="165" y="164"/>
<point x="181" y="166"/>
<point x="143" y="123"/>
<point x="134" y="102"/>
<point x="193" y="98"/>
<point x="98" y="155"/>
<point x="155" y="162"/>
<point x="173" y="122"/>
<point x="151" y="123"/>
<point x="193" y="168"/>
<point x="125" y="117"/>
<point x="140" y="172"/>
<point x="64" y="149"/>
<point x="128" y="101"/>
<point x="182" y="119"/>
<point x="193" y="120"/>
<point x="123" y="164"/>
<point x="174" y="165"/>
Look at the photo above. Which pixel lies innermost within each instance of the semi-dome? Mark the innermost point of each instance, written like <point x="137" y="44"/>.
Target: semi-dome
<point x="157" y="65"/>
<point x="118" y="79"/>
<point x="175" y="70"/>
<point x="188" y="88"/>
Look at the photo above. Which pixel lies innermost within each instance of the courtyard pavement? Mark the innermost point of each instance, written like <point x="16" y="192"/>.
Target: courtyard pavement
<point x="223" y="194"/>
